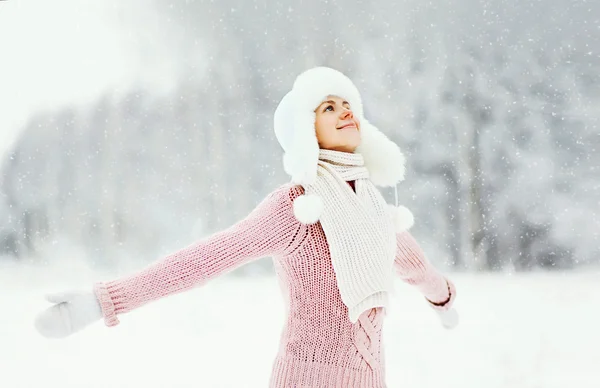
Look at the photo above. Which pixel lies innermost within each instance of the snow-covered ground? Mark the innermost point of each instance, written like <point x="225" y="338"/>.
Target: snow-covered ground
<point x="517" y="331"/>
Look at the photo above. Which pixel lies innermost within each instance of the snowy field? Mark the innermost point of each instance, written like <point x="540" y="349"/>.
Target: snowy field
<point x="517" y="331"/>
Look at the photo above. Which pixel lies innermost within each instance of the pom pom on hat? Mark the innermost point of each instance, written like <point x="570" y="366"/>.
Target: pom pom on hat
<point x="308" y="208"/>
<point x="402" y="217"/>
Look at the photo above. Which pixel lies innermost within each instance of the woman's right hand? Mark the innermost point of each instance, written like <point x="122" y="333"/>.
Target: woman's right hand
<point x="71" y="312"/>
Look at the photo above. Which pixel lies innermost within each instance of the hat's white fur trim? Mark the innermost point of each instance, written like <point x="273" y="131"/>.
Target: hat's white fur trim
<point x="294" y="121"/>
<point x="382" y="157"/>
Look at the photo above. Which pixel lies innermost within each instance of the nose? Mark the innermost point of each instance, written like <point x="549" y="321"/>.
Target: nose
<point x="347" y="114"/>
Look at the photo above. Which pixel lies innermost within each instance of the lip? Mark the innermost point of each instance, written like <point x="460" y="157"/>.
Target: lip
<point x="349" y="125"/>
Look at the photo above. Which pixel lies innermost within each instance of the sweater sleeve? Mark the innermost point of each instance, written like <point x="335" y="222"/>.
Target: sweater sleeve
<point x="268" y="230"/>
<point x="412" y="266"/>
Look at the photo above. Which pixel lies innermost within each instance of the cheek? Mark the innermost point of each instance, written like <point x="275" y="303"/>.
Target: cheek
<point x="325" y="126"/>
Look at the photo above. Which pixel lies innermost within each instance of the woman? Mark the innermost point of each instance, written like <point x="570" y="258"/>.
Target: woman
<point x="335" y="245"/>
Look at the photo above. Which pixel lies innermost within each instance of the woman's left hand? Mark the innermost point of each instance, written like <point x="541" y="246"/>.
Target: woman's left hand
<point x="449" y="318"/>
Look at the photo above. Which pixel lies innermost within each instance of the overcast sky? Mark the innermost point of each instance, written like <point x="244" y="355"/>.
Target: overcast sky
<point x="69" y="52"/>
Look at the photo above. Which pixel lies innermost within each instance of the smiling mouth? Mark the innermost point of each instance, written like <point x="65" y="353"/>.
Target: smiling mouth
<point x="347" y="126"/>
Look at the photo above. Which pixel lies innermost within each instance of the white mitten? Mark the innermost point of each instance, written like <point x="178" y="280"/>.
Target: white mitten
<point x="448" y="317"/>
<point x="72" y="311"/>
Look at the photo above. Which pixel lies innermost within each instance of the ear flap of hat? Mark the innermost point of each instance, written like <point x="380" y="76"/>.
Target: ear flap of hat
<point x="383" y="158"/>
<point x="295" y="132"/>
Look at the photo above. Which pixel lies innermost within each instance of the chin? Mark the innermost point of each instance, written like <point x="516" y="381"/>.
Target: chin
<point x="349" y="147"/>
<point x="351" y="141"/>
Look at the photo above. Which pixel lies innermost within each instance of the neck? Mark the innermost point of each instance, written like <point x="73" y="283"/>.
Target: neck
<point x="351" y="183"/>
<point x="337" y="150"/>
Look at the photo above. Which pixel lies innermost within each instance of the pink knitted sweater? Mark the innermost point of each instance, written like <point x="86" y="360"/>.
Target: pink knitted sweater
<point x="320" y="347"/>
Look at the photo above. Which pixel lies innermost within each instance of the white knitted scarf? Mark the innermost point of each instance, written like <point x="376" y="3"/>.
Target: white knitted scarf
<point x="359" y="231"/>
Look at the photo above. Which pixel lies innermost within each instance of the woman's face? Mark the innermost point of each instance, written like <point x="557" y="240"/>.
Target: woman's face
<point x="337" y="128"/>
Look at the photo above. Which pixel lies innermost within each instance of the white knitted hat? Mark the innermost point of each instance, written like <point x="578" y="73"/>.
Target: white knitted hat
<point x="294" y="121"/>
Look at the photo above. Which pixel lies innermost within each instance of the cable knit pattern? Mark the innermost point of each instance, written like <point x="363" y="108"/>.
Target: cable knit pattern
<point x="319" y="345"/>
<point x="367" y="335"/>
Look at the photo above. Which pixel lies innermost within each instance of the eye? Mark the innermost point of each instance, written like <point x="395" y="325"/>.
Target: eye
<point x="327" y="107"/>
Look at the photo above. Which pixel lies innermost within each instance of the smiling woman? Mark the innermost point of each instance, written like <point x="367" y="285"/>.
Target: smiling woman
<point x="335" y="266"/>
<point x="336" y="126"/>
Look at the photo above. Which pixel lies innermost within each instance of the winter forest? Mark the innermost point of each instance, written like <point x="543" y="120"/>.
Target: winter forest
<point x="130" y="130"/>
<point x="493" y="103"/>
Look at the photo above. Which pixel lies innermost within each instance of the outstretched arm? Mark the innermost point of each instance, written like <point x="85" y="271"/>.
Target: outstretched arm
<point x="267" y="231"/>
<point x="413" y="267"/>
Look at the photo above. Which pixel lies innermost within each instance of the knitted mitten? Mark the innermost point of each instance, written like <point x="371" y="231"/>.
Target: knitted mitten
<point x="449" y="318"/>
<point x="71" y="312"/>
